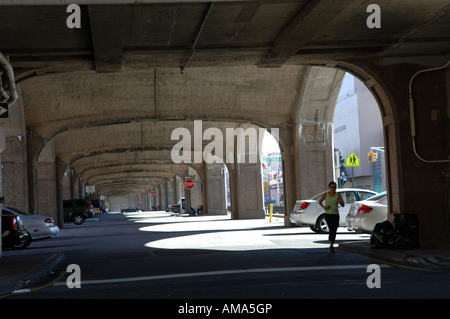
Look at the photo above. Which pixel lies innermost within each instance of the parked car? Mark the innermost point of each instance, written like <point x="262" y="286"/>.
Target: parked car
<point x="97" y="206"/>
<point x="364" y="215"/>
<point x="37" y="226"/>
<point x="309" y="212"/>
<point x="77" y="210"/>
<point x="131" y="209"/>
<point x="14" y="234"/>
<point x="175" y="208"/>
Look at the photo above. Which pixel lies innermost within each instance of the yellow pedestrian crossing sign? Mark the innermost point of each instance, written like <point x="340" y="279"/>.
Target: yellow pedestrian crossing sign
<point x="352" y="160"/>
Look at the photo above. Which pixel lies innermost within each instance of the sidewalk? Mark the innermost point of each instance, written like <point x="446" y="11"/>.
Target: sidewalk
<point x="429" y="256"/>
<point x="21" y="271"/>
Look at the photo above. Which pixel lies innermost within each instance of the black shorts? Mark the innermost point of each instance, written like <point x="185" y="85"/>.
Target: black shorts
<point x="333" y="224"/>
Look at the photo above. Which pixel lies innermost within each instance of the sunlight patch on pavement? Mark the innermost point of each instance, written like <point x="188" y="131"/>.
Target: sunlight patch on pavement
<point x="168" y="217"/>
<point x="220" y="232"/>
<point x="257" y="239"/>
<point x="231" y="240"/>
<point x="210" y="223"/>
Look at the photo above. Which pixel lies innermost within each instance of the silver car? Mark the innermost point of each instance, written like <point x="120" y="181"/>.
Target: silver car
<point x="309" y="212"/>
<point x="37" y="226"/>
<point x="364" y="215"/>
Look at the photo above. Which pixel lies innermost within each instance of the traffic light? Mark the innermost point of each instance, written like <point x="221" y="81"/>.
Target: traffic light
<point x="372" y="157"/>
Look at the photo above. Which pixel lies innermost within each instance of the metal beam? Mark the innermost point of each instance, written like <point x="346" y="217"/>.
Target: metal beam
<point x="106" y="29"/>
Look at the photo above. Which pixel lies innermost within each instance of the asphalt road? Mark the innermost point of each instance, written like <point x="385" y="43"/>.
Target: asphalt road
<point x="153" y="255"/>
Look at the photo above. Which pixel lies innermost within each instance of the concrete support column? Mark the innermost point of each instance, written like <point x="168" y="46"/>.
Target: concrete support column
<point x="313" y="129"/>
<point x="82" y="188"/>
<point x="62" y="185"/>
<point x="14" y="172"/>
<point x="34" y="146"/>
<point x="159" y="195"/>
<point x="46" y="190"/>
<point x="163" y="201"/>
<point x="46" y="186"/>
<point x="247" y="190"/>
<point x="180" y="188"/>
<point x="164" y="198"/>
<point x="216" y="201"/>
<point x="75" y="188"/>
<point x="314" y="157"/>
<point x="148" y="200"/>
<point x="176" y="190"/>
<point x="418" y="166"/>
<point x="170" y="195"/>
<point x="151" y="201"/>
<point x="288" y="148"/>
<point x="145" y="203"/>
<point x="66" y="181"/>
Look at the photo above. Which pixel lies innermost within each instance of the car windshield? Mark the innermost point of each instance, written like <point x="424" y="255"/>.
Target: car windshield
<point x="377" y="196"/>
<point x="317" y="197"/>
<point x="7" y="213"/>
<point x="18" y="211"/>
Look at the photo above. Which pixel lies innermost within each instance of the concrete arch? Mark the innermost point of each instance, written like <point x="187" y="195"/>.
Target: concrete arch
<point x="293" y="110"/>
<point x="388" y="82"/>
<point x="306" y="120"/>
<point x="386" y="104"/>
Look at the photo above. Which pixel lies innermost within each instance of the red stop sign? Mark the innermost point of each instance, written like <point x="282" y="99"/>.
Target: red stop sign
<point x="189" y="183"/>
<point x="153" y="194"/>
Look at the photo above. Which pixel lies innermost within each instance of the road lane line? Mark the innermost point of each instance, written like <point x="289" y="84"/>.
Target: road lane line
<point x="219" y="272"/>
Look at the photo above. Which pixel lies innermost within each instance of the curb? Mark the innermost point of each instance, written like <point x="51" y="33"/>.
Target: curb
<point x="400" y="257"/>
<point x="42" y="270"/>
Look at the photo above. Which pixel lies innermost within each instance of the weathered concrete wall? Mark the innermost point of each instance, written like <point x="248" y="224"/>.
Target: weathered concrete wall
<point x="46" y="183"/>
<point x="14" y="165"/>
<point x="414" y="185"/>
<point x="313" y="141"/>
<point x="14" y="169"/>
<point x="215" y="190"/>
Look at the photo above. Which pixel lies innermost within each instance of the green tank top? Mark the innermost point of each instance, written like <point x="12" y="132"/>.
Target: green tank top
<point x="332" y="203"/>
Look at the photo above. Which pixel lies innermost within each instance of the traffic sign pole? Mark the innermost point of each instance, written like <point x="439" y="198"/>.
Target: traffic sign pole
<point x="352" y="160"/>
<point x="353" y="178"/>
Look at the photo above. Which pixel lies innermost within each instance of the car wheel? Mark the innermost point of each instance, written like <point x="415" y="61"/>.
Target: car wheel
<point x="78" y="219"/>
<point x="321" y="225"/>
<point x="24" y="243"/>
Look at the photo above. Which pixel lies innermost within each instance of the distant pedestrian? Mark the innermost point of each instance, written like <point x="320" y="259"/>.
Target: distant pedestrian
<point x="332" y="199"/>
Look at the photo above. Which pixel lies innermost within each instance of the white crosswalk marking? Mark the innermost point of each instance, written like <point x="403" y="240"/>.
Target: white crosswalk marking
<point x="220" y="272"/>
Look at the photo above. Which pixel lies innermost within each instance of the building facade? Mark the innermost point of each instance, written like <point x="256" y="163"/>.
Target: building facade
<point x="358" y="129"/>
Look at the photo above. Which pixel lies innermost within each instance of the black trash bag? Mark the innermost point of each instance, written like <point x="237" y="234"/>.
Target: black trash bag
<point x="408" y="227"/>
<point x="381" y="235"/>
<point x="376" y="242"/>
<point x="398" y="241"/>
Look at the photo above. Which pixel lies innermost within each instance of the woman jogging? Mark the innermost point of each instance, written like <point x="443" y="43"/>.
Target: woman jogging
<point x="331" y="199"/>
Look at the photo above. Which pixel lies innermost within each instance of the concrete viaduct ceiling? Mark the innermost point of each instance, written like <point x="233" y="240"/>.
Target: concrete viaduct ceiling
<point x="109" y="94"/>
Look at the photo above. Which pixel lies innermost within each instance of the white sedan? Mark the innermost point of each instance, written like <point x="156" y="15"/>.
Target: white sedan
<point x="37" y="226"/>
<point x="309" y="212"/>
<point x="364" y="215"/>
